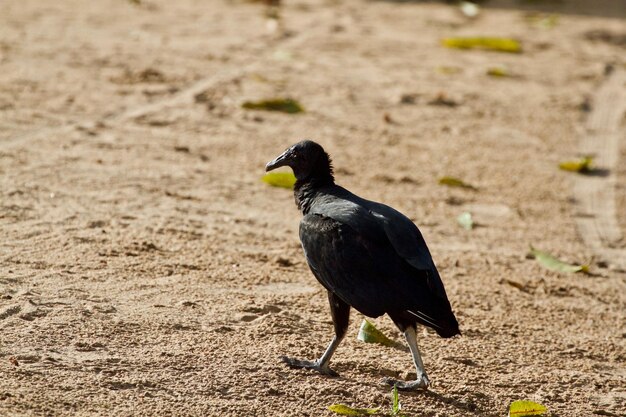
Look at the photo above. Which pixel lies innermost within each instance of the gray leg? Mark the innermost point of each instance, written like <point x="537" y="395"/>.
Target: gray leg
<point x="340" y="313"/>
<point x="411" y="337"/>
<point x="320" y="365"/>
<point x="422" y="381"/>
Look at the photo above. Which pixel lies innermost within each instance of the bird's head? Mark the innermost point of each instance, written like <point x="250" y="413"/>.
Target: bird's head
<point x="307" y="159"/>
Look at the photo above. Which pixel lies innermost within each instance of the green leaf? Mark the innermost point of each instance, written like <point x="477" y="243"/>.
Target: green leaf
<point x="526" y="408"/>
<point x="344" y="410"/>
<point x="465" y="220"/>
<point x="498" y="72"/>
<point x="554" y="264"/>
<point x="579" y="165"/>
<point x="493" y="44"/>
<point x="455" y="182"/>
<point x="285" y="105"/>
<point x="370" y="334"/>
<point x="280" y="179"/>
<point x="395" y="404"/>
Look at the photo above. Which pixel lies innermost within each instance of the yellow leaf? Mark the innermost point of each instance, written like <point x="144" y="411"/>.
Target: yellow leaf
<point x="498" y="72"/>
<point x="494" y="44"/>
<point x="280" y="179"/>
<point x="580" y="165"/>
<point x="526" y="408"/>
<point x="455" y="182"/>
<point x="344" y="410"/>
<point x="285" y="105"/>
<point x="448" y="70"/>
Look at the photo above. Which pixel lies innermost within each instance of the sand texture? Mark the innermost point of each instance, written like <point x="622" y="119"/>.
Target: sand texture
<point x="145" y="270"/>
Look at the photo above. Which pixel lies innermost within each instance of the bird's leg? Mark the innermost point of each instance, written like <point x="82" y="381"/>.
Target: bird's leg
<point x="340" y="313"/>
<point x="422" y="381"/>
<point x="320" y="365"/>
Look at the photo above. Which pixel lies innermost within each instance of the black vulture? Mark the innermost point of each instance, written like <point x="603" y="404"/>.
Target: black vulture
<point x="367" y="255"/>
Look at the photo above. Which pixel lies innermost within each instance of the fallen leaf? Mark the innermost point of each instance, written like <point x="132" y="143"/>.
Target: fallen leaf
<point x="498" y="72"/>
<point x="396" y="407"/>
<point x="387" y="118"/>
<point x="526" y="408"/>
<point x="272" y="13"/>
<point x="469" y="9"/>
<point x="285" y="105"/>
<point x="493" y="44"/>
<point x="345" y="410"/>
<point x="580" y="165"/>
<point x="280" y="179"/>
<point x="408" y="98"/>
<point x="259" y="78"/>
<point x="465" y="220"/>
<point x="448" y="70"/>
<point x="442" y="100"/>
<point x="368" y="333"/>
<point x="455" y="182"/>
<point x="554" y="264"/>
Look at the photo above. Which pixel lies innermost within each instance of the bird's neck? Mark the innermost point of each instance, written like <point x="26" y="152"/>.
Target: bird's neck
<point x="306" y="190"/>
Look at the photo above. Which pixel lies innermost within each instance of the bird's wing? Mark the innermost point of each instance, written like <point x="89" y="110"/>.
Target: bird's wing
<point x="409" y="243"/>
<point x="366" y="272"/>
<point x="372" y="219"/>
<point x="357" y="269"/>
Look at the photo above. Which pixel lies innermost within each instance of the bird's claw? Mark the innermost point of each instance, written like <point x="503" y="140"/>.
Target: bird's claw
<point x="421" y="383"/>
<point x="315" y="365"/>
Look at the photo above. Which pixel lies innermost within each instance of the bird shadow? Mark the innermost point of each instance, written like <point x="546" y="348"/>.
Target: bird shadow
<point x="465" y="407"/>
<point x="606" y="8"/>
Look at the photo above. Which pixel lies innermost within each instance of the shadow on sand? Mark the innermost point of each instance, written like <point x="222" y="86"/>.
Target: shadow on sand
<point x="601" y="8"/>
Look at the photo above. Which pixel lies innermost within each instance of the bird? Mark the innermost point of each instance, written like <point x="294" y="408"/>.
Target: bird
<point x="368" y="256"/>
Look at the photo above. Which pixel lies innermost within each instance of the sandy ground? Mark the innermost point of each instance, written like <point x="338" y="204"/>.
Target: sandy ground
<point x="146" y="270"/>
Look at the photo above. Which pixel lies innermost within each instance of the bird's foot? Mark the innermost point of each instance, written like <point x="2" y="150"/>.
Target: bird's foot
<point x="315" y="365"/>
<point x="421" y="383"/>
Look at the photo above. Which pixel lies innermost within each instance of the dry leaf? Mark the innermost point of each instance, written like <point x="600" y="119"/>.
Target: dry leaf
<point x="455" y="182"/>
<point x="582" y="165"/>
<point x="285" y="105"/>
<point x="345" y="410"/>
<point x="493" y="44"/>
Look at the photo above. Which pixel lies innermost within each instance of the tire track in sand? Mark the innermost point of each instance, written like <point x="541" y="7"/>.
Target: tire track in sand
<point x="595" y="194"/>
